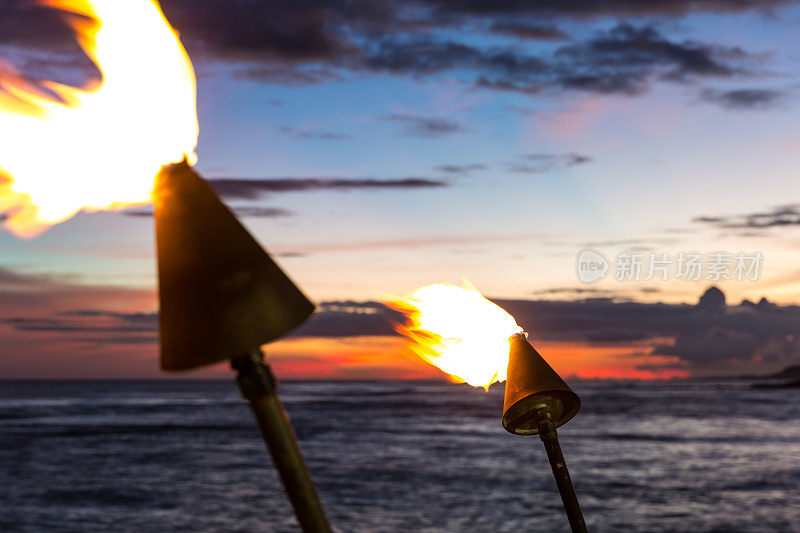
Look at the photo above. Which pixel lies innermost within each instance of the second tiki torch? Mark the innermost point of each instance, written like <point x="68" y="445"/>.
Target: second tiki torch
<point x="476" y="341"/>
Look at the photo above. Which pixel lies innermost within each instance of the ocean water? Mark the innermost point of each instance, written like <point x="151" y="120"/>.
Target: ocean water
<point x="187" y="456"/>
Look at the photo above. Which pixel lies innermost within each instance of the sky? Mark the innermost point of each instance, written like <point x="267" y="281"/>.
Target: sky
<point x="374" y="147"/>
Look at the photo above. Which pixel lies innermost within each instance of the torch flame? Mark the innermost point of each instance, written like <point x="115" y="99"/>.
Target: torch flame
<point x="459" y="331"/>
<point x="64" y="149"/>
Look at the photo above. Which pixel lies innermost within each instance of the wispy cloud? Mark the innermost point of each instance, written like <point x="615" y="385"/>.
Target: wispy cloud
<point x="242" y="211"/>
<point x="96" y="327"/>
<point x="248" y="189"/>
<point x="426" y="126"/>
<point x="777" y="217"/>
<point x="539" y="163"/>
<point x="460" y="169"/>
<point x="744" y="99"/>
<point x="319" y="135"/>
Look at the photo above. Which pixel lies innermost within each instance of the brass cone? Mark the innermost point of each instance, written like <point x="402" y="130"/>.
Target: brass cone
<point x="221" y="294"/>
<point x="533" y="384"/>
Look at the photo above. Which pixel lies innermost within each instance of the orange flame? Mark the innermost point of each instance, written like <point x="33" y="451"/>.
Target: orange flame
<point x="459" y="331"/>
<point x="101" y="146"/>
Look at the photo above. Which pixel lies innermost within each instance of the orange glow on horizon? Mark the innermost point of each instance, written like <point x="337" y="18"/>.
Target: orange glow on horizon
<point x="393" y="358"/>
<point x="626" y="361"/>
<point x="64" y="149"/>
<point x="347" y="358"/>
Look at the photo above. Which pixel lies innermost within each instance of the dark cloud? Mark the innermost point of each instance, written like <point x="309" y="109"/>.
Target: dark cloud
<point x="524" y="30"/>
<point x="27" y="23"/>
<point x="460" y="169"/>
<point x="539" y="163"/>
<point x="578" y="293"/>
<point x="149" y="319"/>
<point x="261" y="212"/>
<point x="288" y="74"/>
<point x="315" y="134"/>
<point x="710" y="337"/>
<point x="249" y="189"/>
<point x="424" y="55"/>
<point x="349" y="319"/>
<point x="333" y="30"/>
<point x="590" y="8"/>
<point x="290" y="254"/>
<point x="91" y="329"/>
<point x="242" y="211"/>
<point x="744" y="99"/>
<point x="573" y="291"/>
<point x="139" y="212"/>
<point x="426" y="126"/>
<point x="522" y="87"/>
<point x="297" y="31"/>
<point x="625" y="59"/>
<point x="780" y="216"/>
<point x="88" y="322"/>
<point x="316" y="41"/>
<point x="713" y="301"/>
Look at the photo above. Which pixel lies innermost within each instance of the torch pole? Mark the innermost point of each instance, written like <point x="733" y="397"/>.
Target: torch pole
<point x="259" y="386"/>
<point x="549" y="436"/>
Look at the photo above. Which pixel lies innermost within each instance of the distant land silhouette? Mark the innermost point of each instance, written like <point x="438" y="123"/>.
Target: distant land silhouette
<point x="791" y="374"/>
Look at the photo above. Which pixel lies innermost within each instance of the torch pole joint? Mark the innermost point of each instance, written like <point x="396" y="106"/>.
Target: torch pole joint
<point x="549" y="436"/>
<point x="254" y="377"/>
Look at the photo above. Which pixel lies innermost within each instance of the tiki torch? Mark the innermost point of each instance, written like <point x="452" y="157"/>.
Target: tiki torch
<point x="223" y="297"/>
<point x="467" y="336"/>
<point x="537" y="401"/>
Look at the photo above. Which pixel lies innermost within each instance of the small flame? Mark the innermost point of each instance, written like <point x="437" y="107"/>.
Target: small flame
<point x="64" y="149"/>
<point x="459" y="331"/>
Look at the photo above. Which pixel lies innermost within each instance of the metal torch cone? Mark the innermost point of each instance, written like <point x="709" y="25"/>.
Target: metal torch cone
<point x="532" y="384"/>
<point x="221" y="294"/>
<point x="222" y="297"/>
<point x="537" y="401"/>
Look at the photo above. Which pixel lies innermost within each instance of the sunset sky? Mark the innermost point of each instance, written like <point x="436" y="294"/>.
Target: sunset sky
<point x="375" y="147"/>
